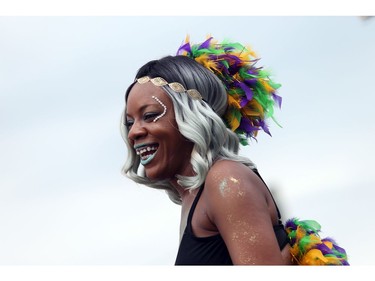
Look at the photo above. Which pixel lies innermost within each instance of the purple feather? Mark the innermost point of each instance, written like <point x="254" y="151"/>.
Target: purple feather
<point x="228" y="48"/>
<point x="250" y="82"/>
<point x="291" y="224"/>
<point x="246" y="126"/>
<point x="277" y="99"/>
<point x="186" y="47"/>
<point x="264" y="126"/>
<point x="248" y="92"/>
<point x="243" y="102"/>
<point x="223" y="68"/>
<point x="252" y="72"/>
<point x="323" y="248"/>
<point x="205" y="44"/>
<point x="329" y="240"/>
<point x="339" y="249"/>
<point x="232" y="58"/>
<point x="292" y="241"/>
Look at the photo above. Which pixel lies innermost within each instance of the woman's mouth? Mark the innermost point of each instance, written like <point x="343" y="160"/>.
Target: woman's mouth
<point x="146" y="152"/>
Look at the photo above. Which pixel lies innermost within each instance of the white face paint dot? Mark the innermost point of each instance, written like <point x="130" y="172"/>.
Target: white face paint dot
<point x="163" y="105"/>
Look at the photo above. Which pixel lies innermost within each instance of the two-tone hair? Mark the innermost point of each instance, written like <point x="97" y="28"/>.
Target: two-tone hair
<point x="199" y="121"/>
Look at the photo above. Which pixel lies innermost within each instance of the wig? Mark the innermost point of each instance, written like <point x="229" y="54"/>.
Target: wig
<point x="199" y="121"/>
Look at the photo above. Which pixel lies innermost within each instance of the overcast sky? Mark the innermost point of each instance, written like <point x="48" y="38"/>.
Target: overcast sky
<point x="63" y="199"/>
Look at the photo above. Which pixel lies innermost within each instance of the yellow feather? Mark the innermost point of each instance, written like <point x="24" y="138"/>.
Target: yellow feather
<point x="257" y="107"/>
<point x="300" y="232"/>
<point x="233" y="122"/>
<point x="313" y="257"/>
<point x="328" y="244"/>
<point x="206" y="62"/>
<point x="266" y="86"/>
<point x="333" y="261"/>
<point x="294" y="251"/>
<point x="249" y="112"/>
<point x="251" y="52"/>
<point x="187" y="38"/>
<point x="233" y="102"/>
<point x="237" y="77"/>
<point x="213" y="40"/>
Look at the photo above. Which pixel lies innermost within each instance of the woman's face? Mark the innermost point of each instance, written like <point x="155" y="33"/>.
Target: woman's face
<point x="154" y="134"/>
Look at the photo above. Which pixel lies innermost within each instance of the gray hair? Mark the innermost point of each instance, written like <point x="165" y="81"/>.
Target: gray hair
<point x="199" y="121"/>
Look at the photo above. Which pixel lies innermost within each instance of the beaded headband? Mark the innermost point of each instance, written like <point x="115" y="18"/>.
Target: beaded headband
<point x="175" y="86"/>
<point x="251" y="93"/>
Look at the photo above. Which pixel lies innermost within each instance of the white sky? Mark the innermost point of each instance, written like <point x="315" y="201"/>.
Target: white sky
<point x="63" y="200"/>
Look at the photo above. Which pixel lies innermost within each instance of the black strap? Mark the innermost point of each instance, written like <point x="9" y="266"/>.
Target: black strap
<point x="192" y="208"/>
<point x="277" y="209"/>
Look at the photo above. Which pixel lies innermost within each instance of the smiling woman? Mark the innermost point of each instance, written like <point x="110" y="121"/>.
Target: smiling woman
<point x="154" y="134"/>
<point x="184" y="119"/>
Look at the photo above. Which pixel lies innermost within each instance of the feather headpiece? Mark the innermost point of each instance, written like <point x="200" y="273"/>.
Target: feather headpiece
<point x="251" y="93"/>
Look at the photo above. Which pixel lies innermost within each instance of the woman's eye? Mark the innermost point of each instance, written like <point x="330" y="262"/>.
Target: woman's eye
<point x="151" y="115"/>
<point x="129" y="124"/>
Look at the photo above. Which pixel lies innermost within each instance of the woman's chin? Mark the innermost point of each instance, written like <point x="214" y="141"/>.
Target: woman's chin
<point x="153" y="176"/>
<point x="156" y="177"/>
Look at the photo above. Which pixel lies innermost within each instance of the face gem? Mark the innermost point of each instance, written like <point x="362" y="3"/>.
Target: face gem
<point x="163" y="105"/>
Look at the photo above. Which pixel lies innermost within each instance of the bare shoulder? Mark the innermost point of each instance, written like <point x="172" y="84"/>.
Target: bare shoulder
<point x="230" y="184"/>
<point x="228" y="177"/>
<point x="240" y="207"/>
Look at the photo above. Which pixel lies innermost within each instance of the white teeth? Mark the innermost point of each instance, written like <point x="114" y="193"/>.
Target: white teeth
<point x="141" y="151"/>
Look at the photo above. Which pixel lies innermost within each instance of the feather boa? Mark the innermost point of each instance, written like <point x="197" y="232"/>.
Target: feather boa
<point x="307" y="248"/>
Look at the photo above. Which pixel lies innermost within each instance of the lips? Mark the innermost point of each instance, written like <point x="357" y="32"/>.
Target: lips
<point x="146" y="152"/>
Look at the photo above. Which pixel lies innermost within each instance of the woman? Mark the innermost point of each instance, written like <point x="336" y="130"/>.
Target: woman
<point x="184" y="119"/>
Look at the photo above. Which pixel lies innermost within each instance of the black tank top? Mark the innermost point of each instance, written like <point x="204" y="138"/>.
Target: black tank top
<point x="212" y="250"/>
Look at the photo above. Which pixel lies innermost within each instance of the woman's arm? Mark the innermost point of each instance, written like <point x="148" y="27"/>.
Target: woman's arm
<point x="239" y="204"/>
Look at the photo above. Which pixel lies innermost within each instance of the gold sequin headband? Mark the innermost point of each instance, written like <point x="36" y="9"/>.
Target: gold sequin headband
<point x="175" y="86"/>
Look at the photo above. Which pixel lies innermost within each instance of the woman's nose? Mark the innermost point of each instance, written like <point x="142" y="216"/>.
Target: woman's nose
<point x="137" y="131"/>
